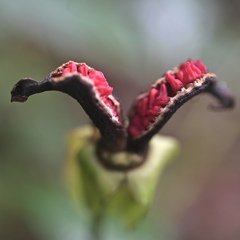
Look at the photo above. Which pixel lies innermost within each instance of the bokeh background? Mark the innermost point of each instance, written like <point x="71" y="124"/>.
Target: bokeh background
<point x="133" y="43"/>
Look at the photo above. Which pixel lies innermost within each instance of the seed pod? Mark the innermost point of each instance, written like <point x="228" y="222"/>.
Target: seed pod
<point x="90" y="88"/>
<point x="152" y="109"/>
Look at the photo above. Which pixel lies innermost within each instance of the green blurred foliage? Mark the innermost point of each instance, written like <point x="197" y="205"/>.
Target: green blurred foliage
<point x="133" y="43"/>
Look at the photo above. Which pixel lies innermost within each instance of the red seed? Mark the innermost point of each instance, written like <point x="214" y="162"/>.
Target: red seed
<point x="144" y="105"/>
<point x="103" y="90"/>
<point x="134" y="131"/>
<point x="180" y="75"/>
<point x="83" y="69"/>
<point x="139" y="108"/>
<point x="72" y="66"/>
<point x="163" y="90"/>
<point x="145" y="122"/>
<point x="174" y="83"/>
<point x="154" y="111"/>
<point x="152" y="96"/>
<point x="97" y="75"/>
<point x="196" y="70"/>
<point x="162" y="101"/>
<point x="192" y="71"/>
<point x="201" y="66"/>
<point x="65" y="71"/>
<point x="189" y="74"/>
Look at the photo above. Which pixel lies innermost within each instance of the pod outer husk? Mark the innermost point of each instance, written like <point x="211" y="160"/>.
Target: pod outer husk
<point x="126" y="195"/>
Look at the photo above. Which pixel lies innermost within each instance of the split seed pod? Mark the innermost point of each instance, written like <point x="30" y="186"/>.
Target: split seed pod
<point x="117" y="167"/>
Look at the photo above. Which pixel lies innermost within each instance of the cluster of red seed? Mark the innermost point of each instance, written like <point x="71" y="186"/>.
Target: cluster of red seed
<point x="96" y="77"/>
<point x="149" y="107"/>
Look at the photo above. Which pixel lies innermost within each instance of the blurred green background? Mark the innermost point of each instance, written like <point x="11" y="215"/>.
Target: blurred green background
<point x="133" y="43"/>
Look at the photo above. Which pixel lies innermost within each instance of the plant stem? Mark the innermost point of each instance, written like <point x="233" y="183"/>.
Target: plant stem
<point x="96" y="227"/>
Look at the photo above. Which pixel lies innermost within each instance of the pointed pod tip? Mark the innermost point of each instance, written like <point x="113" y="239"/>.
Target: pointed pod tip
<point x="23" y="89"/>
<point x="224" y="95"/>
<point x="18" y="98"/>
<point x="226" y="103"/>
